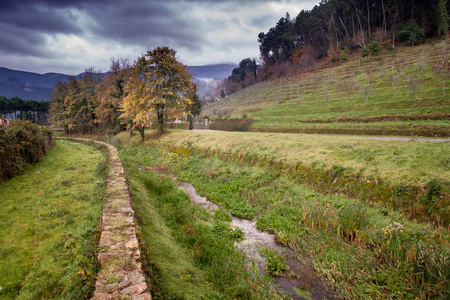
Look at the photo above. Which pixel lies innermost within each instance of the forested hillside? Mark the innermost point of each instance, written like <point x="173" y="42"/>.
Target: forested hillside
<point x="335" y="28"/>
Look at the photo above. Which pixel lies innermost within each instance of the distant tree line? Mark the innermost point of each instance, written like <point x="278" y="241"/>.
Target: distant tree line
<point x="334" y="28"/>
<point x="31" y="110"/>
<point x="156" y="88"/>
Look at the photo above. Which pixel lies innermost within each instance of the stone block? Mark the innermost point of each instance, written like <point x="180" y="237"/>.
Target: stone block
<point x="135" y="289"/>
<point x="104" y="258"/>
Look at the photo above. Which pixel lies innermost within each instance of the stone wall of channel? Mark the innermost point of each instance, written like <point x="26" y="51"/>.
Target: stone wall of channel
<point x="120" y="275"/>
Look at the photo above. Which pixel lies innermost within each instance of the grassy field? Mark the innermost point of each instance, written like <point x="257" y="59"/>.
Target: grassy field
<point x="49" y="225"/>
<point x="364" y="250"/>
<point x="364" y="95"/>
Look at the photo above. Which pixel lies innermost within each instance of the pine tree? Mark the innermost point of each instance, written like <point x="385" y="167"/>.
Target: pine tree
<point x="442" y="17"/>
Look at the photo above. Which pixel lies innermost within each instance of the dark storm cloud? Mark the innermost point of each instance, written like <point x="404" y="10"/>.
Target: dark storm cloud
<point x="23" y="26"/>
<point x="11" y="44"/>
<point x="144" y="23"/>
<point x="37" y="16"/>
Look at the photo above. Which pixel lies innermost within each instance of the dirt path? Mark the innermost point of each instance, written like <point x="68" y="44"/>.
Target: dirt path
<point x="382" y="138"/>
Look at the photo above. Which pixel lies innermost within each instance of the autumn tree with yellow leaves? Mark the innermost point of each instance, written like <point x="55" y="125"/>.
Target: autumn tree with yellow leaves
<point x="110" y="94"/>
<point x="158" y="86"/>
<point x="73" y="103"/>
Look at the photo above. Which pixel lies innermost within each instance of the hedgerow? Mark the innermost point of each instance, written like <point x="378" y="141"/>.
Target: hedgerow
<point x="21" y="143"/>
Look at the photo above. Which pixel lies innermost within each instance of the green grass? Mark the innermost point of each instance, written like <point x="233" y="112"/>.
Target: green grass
<point x="186" y="252"/>
<point x="289" y="103"/>
<point x="49" y="225"/>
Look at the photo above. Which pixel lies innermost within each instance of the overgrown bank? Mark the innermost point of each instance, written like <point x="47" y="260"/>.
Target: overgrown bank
<point x="367" y="251"/>
<point x="49" y="225"/>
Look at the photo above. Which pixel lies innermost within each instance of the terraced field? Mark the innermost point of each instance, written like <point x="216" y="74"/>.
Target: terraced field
<point x="398" y="93"/>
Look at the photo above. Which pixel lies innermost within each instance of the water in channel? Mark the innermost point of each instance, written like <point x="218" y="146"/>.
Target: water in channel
<point x="304" y="285"/>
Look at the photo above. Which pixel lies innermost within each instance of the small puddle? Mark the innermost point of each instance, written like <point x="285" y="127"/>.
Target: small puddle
<point x="305" y="284"/>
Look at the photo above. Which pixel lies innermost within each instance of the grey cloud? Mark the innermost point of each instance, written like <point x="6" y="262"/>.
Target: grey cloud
<point x="23" y="26"/>
<point x="22" y="41"/>
<point x="41" y="20"/>
<point x="144" y="23"/>
<point x="260" y="21"/>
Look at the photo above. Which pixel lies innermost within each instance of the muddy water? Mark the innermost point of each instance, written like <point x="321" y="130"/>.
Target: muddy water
<point x="305" y="284"/>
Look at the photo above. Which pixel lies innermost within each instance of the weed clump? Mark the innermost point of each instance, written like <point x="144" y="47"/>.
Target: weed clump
<point x="275" y="262"/>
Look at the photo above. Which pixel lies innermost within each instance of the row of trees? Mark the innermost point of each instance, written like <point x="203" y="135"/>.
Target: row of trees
<point x="156" y="87"/>
<point x="31" y="110"/>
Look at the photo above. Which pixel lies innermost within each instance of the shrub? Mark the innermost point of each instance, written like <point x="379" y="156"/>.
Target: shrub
<point x="375" y="48"/>
<point x="410" y="32"/>
<point x="365" y="52"/>
<point x="343" y="56"/>
<point x="389" y="46"/>
<point x="21" y="143"/>
<point x="333" y="55"/>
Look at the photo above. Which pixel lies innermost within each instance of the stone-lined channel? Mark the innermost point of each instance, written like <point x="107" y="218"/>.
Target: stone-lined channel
<point x="305" y="284"/>
<point x="120" y="275"/>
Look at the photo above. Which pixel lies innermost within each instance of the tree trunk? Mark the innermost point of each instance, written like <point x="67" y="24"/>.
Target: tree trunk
<point x="384" y="21"/>
<point x="443" y="84"/>
<point x="141" y="129"/>
<point x="160" y="117"/>
<point x="191" y="125"/>
<point x="368" y="19"/>
<point x="361" y="29"/>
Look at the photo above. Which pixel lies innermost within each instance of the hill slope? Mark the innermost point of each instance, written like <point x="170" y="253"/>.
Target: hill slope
<point x="395" y="93"/>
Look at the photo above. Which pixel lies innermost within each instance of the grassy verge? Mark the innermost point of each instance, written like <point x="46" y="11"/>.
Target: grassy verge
<point x="366" y="251"/>
<point x="49" y="225"/>
<point x="187" y="253"/>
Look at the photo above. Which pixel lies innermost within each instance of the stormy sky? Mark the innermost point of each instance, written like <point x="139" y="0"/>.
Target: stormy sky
<point x="68" y="36"/>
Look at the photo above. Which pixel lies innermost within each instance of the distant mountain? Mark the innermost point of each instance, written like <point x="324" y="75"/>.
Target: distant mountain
<point x="33" y="86"/>
<point x="218" y="71"/>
